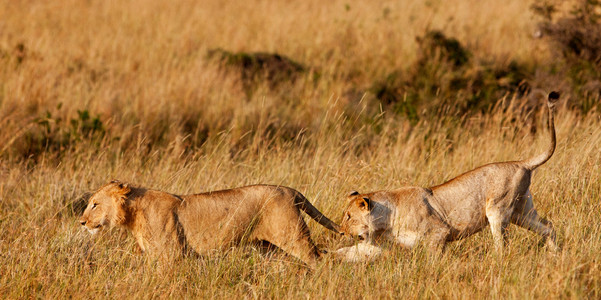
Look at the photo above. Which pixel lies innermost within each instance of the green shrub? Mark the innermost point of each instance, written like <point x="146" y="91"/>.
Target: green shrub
<point x="259" y="66"/>
<point x="576" y="39"/>
<point x="446" y="78"/>
<point x="52" y="133"/>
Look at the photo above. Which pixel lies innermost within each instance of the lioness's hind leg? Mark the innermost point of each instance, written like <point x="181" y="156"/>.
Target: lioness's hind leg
<point x="541" y="226"/>
<point x="498" y="220"/>
<point x="529" y="219"/>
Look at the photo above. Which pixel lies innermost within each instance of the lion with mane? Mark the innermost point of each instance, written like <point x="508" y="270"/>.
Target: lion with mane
<point x="168" y="224"/>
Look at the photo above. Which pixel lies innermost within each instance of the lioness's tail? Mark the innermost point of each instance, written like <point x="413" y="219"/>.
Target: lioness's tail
<point x="534" y="162"/>
<point x="315" y="214"/>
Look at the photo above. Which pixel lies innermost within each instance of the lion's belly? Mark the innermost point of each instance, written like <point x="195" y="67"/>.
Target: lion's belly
<point x="210" y="231"/>
<point x="218" y="237"/>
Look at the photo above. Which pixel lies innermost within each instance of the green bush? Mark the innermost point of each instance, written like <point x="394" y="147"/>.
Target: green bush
<point x="576" y="39"/>
<point x="445" y="77"/>
<point x="54" y="134"/>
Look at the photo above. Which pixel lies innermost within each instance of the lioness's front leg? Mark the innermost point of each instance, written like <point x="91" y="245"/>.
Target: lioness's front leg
<point x="437" y="239"/>
<point x="359" y="252"/>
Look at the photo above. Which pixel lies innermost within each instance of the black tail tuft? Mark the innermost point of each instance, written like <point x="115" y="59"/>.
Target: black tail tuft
<point x="553" y="98"/>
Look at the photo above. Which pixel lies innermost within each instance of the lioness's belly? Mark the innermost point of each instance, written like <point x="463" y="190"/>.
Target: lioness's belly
<point x="466" y="223"/>
<point x="462" y="208"/>
<point x="465" y="217"/>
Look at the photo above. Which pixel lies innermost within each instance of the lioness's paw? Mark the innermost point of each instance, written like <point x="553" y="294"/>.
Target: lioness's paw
<point x="359" y="252"/>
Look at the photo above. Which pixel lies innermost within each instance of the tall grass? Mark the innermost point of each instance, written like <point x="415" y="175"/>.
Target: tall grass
<point x="96" y="90"/>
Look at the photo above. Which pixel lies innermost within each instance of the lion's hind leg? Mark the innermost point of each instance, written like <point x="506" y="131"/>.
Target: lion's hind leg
<point x="298" y="244"/>
<point x="292" y="236"/>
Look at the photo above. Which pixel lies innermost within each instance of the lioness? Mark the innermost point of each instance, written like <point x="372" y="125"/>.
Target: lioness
<point x="164" y="224"/>
<point x="495" y="194"/>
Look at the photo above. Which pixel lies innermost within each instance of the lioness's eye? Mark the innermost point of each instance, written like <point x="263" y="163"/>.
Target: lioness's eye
<point x="94" y="205"/>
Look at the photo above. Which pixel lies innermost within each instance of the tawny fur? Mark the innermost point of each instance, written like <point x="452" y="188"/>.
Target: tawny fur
<point x="496" y="194"/>
<point x="169" y="225"/>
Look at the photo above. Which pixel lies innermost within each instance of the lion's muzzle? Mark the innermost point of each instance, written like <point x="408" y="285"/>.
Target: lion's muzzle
<point x="91" y="228"/>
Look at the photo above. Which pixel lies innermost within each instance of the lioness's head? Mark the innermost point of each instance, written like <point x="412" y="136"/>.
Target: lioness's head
<point x="355" y="219"/>
<point x="105" y="207"/>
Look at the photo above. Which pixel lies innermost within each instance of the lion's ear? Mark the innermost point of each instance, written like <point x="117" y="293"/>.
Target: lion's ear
<point x="353" y="193"/>
<point x="365" y="203"/>
<point x="122" y="189"/>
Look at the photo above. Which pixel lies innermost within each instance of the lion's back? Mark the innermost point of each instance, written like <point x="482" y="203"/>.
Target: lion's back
<point x="218" y="218"/>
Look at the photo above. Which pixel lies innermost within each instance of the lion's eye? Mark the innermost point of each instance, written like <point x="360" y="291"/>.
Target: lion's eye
<point x="94" y="205"/>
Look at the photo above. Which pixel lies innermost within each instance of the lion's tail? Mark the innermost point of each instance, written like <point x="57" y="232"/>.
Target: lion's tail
<point x="536" y="161"/>
<point x="314" y="213"/>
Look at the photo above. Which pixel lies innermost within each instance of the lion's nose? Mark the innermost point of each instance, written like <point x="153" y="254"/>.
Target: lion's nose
<point x="83" y="223"/>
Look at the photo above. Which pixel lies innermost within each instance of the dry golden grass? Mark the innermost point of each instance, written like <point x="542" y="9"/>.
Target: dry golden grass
<point x="176" y="122"/>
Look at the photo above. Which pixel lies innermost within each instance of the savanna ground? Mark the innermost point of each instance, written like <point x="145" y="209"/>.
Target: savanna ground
<point x="373" y="95"/>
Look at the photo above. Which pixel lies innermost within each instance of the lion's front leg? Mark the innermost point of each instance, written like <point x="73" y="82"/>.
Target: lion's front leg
<point x="161" y="240"/>
<point x="142" y="243"/>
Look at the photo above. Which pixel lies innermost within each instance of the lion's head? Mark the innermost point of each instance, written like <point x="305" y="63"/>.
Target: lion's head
<point x="106" y="207"/>
<point x="355" y="219"/>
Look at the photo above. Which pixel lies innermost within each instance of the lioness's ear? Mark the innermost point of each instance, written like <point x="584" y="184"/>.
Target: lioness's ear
<point x="365" y="203"/>
<point x="353" y="193"/>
